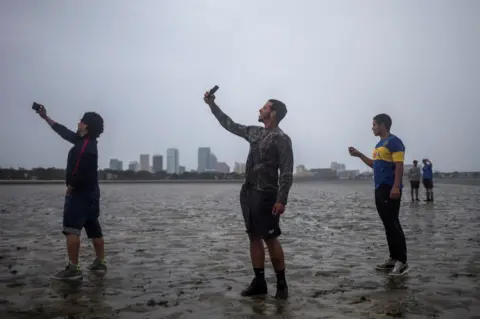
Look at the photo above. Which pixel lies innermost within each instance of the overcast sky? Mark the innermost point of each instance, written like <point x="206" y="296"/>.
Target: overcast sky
<point x="144" y="66"/>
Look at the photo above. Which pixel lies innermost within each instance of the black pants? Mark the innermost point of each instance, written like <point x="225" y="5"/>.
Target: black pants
<point x="388" y="209"/>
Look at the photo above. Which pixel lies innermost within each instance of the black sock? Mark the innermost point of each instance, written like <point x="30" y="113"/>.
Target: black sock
<point x="259" y="273"/>
<point x="281" y="282"/>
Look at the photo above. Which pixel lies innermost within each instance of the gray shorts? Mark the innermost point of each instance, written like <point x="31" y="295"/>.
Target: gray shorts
<point x="257" y="209"/>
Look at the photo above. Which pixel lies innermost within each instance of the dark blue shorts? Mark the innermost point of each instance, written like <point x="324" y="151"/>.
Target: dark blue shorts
<point x="82" y="210"/>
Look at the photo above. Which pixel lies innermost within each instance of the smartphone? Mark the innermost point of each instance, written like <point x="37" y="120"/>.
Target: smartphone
<point x="36" y="106"/>
<point x="212" y="91"/>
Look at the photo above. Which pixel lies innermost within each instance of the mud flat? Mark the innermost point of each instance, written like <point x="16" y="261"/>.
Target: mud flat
<point x="180" y="251"/>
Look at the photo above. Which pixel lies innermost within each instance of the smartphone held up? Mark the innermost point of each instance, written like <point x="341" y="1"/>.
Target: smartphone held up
<point x="36" y="106"/>
<point x="213" y="90"/>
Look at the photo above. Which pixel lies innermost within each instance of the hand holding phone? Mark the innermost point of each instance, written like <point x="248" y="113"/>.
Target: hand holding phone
<point x="40" y="109"/>
<point x="213" y="90"/>
<point x="209" y="96"/>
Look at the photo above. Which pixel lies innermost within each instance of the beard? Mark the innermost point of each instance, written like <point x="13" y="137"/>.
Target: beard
<point x="263" y="118"/>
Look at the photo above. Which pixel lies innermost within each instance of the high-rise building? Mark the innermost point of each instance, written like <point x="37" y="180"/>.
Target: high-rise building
<point x="157" y="163"/>
<point x="145" y="162"/>
<point x="133" y="166"/>
<point x="223" y="167"/>
<point x="239" y="168"/>
<point x="203" y="159"/>
<point x="212" y="163"/>
<point x="116" y="165"/>
<point x="173" y="159"/>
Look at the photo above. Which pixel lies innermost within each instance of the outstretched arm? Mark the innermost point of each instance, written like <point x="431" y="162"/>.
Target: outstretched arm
<point x="246" y="132"/>
<point x="356" y="153"/>
<point x="64" y="132"/>
<point x="368" y="161"/>
<point x="61" y="130"/>
<point x="285" y="152"/>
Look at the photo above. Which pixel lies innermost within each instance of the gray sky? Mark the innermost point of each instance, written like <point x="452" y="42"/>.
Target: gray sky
<point x="144" y="66"/>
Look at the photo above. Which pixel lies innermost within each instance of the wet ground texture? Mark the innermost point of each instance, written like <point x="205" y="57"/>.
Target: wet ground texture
<point x="180" y="251"/>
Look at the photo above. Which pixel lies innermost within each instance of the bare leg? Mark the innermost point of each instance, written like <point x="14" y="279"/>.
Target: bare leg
<point x="99" y="246"/>
<point x="276" y="254"/>
<point x="73" y="248"/>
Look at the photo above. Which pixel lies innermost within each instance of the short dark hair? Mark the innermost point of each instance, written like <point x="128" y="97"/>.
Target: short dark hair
<point x="383" y="119"/>
<point x="280" y="109"/>
<point x="415" y="161"/>
<point x="94" y="124"/>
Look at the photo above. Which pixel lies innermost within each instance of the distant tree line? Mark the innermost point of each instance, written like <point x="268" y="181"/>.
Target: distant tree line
<point x="53" y="173"/>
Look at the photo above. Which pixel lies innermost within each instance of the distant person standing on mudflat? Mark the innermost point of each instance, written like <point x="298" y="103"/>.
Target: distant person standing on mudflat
<point x="428" y="179"/>
<point x="414" y="175"/>
<point x="387" y="164"/>
<point x="264" y="194"/>
<point x="82" y="198"/>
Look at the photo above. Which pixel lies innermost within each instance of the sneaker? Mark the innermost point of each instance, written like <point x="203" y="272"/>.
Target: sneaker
<point x="386" y="265"/>
<point x="257" y="287"/>
<point x="399" y="269"/>
<point x="98" y="265"/>
<point x="282" y="293"/>
<point x="71" y="272"/>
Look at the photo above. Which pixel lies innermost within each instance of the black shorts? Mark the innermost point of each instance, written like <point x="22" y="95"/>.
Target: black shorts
<point x="415" y="184"/>
<point x="81" y="210"/>
<point x="428" y="183"/>
<point x="257" y="209"/>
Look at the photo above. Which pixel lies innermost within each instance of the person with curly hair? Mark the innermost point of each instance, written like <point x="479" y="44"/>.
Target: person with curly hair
<point x="82" y="198"/>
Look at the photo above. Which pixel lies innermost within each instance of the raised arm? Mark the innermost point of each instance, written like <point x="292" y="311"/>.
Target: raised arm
<point x="247" y="132"/>
<point x="285" y="153"/>
<point x="65" y="133"/>
<point x="61" y="130"/>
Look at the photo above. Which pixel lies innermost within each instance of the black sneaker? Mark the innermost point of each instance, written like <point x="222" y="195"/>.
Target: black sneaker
<point x="282" y="292"/>
<point x="256" y="288"/>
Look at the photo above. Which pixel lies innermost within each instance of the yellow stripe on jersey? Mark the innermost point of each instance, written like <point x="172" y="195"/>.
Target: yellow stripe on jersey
<point x="398" y="156"/>
<point x="382" y="154"/>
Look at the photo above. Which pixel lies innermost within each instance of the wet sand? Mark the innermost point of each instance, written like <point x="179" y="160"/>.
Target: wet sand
<point x="180" y="251"/>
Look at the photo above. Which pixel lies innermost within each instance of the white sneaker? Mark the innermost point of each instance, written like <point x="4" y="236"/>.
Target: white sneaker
<point x="399" y="269"/>
<point x="388" y="264"/>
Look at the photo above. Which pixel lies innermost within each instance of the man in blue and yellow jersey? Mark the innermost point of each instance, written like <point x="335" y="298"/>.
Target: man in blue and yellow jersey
<point x="428" y="179"/>
<point x="387" y="164"/>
